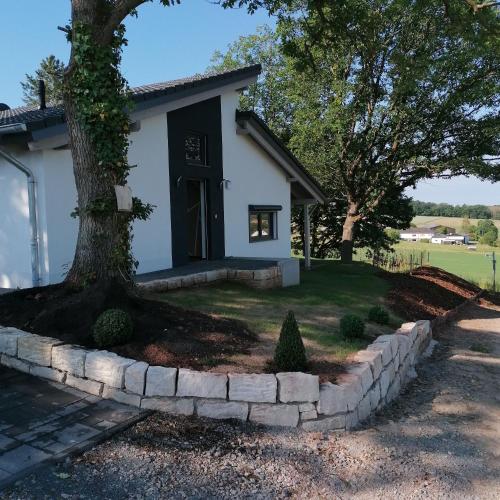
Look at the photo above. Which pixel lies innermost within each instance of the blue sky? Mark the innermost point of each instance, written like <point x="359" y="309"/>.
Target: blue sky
<point x="164" y="43"/>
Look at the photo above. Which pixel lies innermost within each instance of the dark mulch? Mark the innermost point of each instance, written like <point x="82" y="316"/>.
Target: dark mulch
<point x="164" y="334"/>
<point x="427" y="292"/>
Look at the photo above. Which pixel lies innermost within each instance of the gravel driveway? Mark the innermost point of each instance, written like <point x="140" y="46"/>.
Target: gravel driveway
<point x="441" y="439"/>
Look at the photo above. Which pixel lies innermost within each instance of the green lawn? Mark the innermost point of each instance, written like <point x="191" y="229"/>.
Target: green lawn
<point x="471" y="265"/>
<point x="324" y="295"/>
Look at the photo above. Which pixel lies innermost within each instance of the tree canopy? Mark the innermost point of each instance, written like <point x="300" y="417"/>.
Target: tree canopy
<point x="51" y="71"/>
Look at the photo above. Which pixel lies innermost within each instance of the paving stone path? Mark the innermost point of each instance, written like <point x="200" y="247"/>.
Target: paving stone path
<point x="44" y="421"/>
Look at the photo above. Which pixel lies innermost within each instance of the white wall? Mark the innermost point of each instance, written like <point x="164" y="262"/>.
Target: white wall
<point x="255" y="180"/>
<point x="15" y="252"/>
<point x="149" y="181"/>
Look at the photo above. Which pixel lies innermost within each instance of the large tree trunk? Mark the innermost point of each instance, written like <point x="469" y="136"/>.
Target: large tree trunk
<point x="98" y="234"/>
<point x="347" y="245"/>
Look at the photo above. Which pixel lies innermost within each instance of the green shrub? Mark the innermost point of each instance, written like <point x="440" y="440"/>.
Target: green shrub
<point x="290" y="354"/>
<point x="113" y="327"/>
<point x="425" y="240"/>
<point x="352" y="326"/>
<point x="379" y="315"/>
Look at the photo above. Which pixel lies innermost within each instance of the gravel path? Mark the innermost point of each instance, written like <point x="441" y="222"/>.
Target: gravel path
<point x="441" y="439"/>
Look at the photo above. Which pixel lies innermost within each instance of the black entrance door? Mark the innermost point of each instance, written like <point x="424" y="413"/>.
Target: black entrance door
<point x="195" y="157"/>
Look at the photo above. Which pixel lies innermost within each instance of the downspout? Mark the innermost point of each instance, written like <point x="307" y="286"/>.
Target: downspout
<point x="35" y="258"/>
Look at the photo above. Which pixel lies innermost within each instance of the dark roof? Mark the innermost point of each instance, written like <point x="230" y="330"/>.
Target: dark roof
<point x="155" y="93"/>
<point x="252" y="117"/>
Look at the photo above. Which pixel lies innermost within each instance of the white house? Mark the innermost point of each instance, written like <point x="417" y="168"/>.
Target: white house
<point x="417" y="234"/>
<point x="453" y="239"/>
<point x="222" y="183"/>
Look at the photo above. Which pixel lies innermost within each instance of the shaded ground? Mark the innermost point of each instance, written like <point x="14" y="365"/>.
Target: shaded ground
<point x="427" y="292"/>
<point x="441" y="439"/>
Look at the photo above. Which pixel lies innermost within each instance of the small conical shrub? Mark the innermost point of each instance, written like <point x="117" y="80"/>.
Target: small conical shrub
<point x="290" y="354"/>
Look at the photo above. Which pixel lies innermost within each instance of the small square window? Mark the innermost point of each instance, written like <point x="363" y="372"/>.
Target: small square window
<point x="262" y="225"/>
<point x="195" y="149"/>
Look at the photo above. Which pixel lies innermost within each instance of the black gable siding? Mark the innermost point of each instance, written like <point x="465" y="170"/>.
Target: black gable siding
<point x="203" y="118"/>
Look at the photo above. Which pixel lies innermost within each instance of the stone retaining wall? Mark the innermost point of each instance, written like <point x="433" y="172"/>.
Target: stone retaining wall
<point x="285" y="399"/>
<point x="258" y="278"/>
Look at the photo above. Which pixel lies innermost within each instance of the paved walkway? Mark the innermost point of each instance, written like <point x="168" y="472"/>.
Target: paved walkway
<point x="44" y="421"/>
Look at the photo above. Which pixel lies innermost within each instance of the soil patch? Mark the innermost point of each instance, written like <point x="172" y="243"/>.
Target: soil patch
<point x="427" y="292"/>
<point x="163" y="334"/>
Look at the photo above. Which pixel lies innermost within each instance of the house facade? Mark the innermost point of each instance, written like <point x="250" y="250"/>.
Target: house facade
<point x="222" y="184"/>
<point x="417" y="234"/>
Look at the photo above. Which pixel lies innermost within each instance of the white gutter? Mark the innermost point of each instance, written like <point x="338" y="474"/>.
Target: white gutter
<point x="35" y="258"/>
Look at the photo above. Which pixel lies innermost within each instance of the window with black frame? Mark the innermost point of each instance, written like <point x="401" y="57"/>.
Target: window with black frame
<point x="263" y="222"/>
<point x="195" y="149"/>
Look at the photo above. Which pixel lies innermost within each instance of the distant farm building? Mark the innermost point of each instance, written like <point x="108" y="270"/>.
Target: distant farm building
<point x="417" y="234"/>
<point x="430" y="234"/>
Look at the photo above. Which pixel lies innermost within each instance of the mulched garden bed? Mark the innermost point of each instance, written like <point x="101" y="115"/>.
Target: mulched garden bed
<point x="165" y="334"/>
<point x="427" y="292"/>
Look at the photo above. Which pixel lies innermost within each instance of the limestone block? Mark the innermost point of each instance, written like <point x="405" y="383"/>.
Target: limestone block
<point x="364" y="408"/>
<point x="121" y="396"/>
<point x="336" y="422"/>
<point x="276" y="415"/>
<point x="214" y="275"/>
<point x="222" y="274"/>
<point x="222" y="409"/>
<point x="15" y="363"/>
<point x="364" y="372"/>
<point x="351" y="420"/>
<point x="423" y="327"/>
<point x="8" y="340"/>
<point x="36" y="349"/>
<point x="85" y="385"/>
<point x="231" y="274"/>
<point x="306" y="407"/>
<point x="353" y="390"/>
<point x="69" y="358"/>
<point x="135" y="377"/>
<point x="309" y="415"/>
<point x="244" y="275"/>
<point x="174" y="283"/>
<point x="174" y="406"/>
<point x="373" y="358"/>
<point x="385" y="381"/>
<point x="391" y="339"/>
<point x="394" y="389"/>
<point x="332" y="399"/>
<point x="374" y="396"/>
<point x="252" y="387"/>
<point x="200" y="278"/>
<point x="107" y="367"/>
<point x="264" y="274"/>
<point x="201" y="384"/>
<point x="385" y="351"/>
<point x="296" y="386"/>
<point x="160" y="381"/>
<point x="48" y="373"/>
<point x="187" y="281"/>
<point x="404" y="346"/>
<point x="410" y="330"/>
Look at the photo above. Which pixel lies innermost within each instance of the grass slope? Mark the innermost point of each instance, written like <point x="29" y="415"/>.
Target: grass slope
<point x="455" y="222"/>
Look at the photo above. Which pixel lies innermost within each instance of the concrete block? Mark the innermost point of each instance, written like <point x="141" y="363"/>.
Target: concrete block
<point x="69" y="358"/>
<point x="173" y="406"/>
<point x="336" y="422"/>
<point x="135" y="377"/>
<point x="85" y="385"/>
<point x="160" y="381"/>
<point x="36" y="349"/>
<point x="275" y="415"/>
<point x="332" y="399"/>
<point x="16" y="364"/>
<point x="222" y="409"/>
<point x="8" y="340"/>
<point x="201" y="384"/>
<point x="121" y="396"/>
<point x="296" y="386"/>
<point x="289" y="270"/>
<point x="373" y="358"/>
<point x="107" y="367"/>
<point x="252" y="387"/>
<point x="213" y="276"/>
<point x="48" y="373"/>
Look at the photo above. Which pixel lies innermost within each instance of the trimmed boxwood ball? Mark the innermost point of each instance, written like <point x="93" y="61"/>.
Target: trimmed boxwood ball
<point x="379" y="315"/>
<point x="290" y="354"/>
<point x="352" y="326"/>
<point x="113" y="327"/>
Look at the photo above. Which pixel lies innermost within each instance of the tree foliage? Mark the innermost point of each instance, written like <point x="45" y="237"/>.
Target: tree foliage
<point x="447" y="210"/>
<point x="51" y="71"/>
